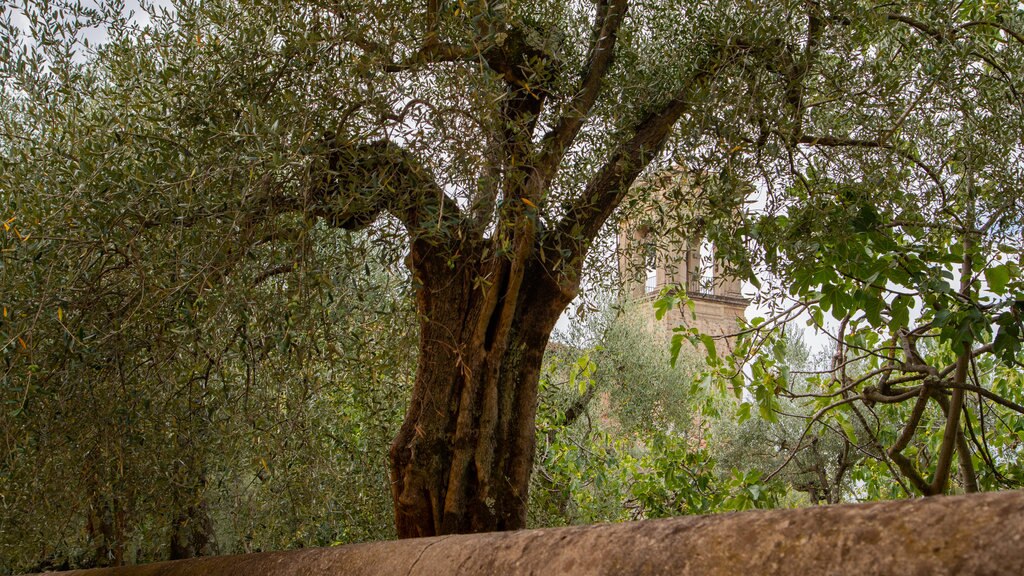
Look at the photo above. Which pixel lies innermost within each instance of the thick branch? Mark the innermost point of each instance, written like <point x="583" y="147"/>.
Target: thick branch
<point x="998" y="25"/>
<point x="952" y="431"/>
<point x="434" y="53"/>
<point x="985" y="393"/>
<point x="271" y="272"/>
<point x="967" y="473"/>
<point x="362" y="180"/>
<point x="349" y="189"/>
<point x="573" y="412"/>
<point x="605" y="191"/>
<point x="920" y="26"/>
<point x="909" y="430"/>
<point x="872" y="394"/>
<point x="516" y="60"/>
<point x="796" y="69"/>
<point x="840" y="142"/>
<point x="607" y="20"/>
<point x="908" y="470"/>
<point x="430" y="52"/>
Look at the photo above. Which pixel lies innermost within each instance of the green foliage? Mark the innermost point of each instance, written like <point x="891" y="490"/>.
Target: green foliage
<point x="252" y="410"/>
<point x="900" y="326"/>
<point x="901" y="247"/>
<point x="169" y="356"/>
<point x="188" y="330"/>
<point x="632" y="447"/>
<point x="675" y="478"/>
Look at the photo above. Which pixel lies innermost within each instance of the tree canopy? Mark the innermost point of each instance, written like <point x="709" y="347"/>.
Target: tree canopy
<point x="218" y="185"/>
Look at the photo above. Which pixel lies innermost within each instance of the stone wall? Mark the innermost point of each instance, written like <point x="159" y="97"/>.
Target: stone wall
<point x="979" y="534"/>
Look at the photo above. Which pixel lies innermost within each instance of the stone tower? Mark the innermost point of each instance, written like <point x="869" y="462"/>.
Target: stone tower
<point x="646" y="266"/>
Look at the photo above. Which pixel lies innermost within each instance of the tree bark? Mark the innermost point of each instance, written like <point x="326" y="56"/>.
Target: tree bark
<point x="462" y="459"/>
<point x="192" y="533"/>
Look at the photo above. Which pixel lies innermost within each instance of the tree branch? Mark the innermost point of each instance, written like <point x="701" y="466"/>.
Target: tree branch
<point x="952" y="432"/>
<point x="895" y="451"/>
<point x="796" y="69"/>
<point x="895" y="396"/>
<point x="605" y="191"/>
<point x="877" y="444"/>
<point x="920" y="26"/>
<point x="985" y="393"/>
<point x="967" y="473"/>
<point x="359" y="181"/>
<point x="998" y="25"/>
<point x="434" y="53"/>
<point x="431" y="50"/>
<point x="910" y="428"/>
<point x="840" y="141"/>
<point x="607" y="19"/>
<point x="271" y="272"/>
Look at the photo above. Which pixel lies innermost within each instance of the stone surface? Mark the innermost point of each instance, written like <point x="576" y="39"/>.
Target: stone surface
<point x="978" y="534"/>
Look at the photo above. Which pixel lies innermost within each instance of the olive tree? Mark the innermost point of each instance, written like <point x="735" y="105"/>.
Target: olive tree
<point x="493" y="141"/>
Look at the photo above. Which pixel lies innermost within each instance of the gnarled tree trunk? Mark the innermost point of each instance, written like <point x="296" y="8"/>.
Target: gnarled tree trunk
<point x="462" y="460"/>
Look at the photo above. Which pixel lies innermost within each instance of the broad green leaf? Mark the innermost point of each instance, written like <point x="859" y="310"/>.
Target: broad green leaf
<point x="997" y="278"/>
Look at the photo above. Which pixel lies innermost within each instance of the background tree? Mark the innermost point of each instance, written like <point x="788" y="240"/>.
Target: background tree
<point x="905" y="335"/>
<point x="917" y="260"/>
<point x="245" y="427"/>
<point x="620" y="436"/>
<point x="179" y="376"/>
<point x="890" y="381"/>
<point x="777" y="445"/>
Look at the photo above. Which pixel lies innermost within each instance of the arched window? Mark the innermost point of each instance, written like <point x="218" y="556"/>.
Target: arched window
<point x="650" y="268"/>
<point x="706" y="277"/>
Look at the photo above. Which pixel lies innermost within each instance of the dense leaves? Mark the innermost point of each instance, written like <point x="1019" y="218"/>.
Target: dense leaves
<point x="631" y="443"/>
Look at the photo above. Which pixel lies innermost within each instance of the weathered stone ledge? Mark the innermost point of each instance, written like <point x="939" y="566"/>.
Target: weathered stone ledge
<point x="978" y="534"/>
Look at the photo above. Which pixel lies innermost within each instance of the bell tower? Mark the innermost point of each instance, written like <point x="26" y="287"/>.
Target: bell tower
<point x="647" y="264"/>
